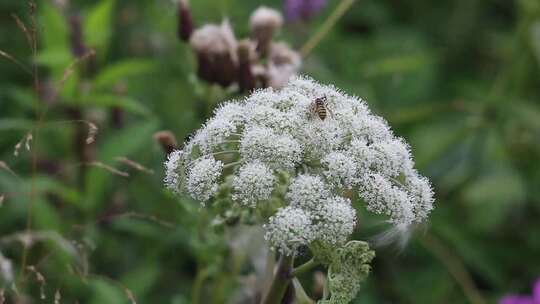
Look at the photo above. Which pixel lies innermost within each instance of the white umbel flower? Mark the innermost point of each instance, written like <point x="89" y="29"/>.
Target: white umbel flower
<point x="214" y="134"/>
<point x="334" y="221"/>
<point x="308" y="192"/>
<point x="383" y="197"/>
<point x="340" y="169"/>
<point x="289" y="229"/>
<point x="172" y="171"/>
<point x="254" y="183"/>
<point x="232" y="112"/>
<point x="421" y="194"/>
<point x="202" y="178"/>
<point x="391" y="157"/>
<point x="277" y="149"/>
<point x="266" y="116"/>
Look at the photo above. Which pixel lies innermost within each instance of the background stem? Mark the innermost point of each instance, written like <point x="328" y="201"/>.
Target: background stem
<point x="328" y="24"/>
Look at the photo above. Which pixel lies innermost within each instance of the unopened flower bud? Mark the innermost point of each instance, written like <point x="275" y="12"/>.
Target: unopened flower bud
<point x="246" y="54"/>
<point x="185" y="21"/>
<point x="167" y="140"/>
<point x="283" y="63"/>
<point x="216" y="49"/>
<point x="264" y="22"/>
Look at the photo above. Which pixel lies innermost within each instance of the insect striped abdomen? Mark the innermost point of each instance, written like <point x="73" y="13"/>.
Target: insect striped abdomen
<point x="320" y="108"/>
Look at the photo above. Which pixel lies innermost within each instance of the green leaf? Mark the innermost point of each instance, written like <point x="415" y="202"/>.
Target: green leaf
<point x="55" y="53"/>
<point x="54" y="58"/>
<point x="98" y="26"/>
<point x="123" y="143"/>
<point x="54" y="30"/>
<point x="125" y="102"/>
<point x="398" y="64"/>
<point x="142" y="277"/>
<point x="110" y="75"/>
<point x="44" y="216"/>
<point x="9" y="124"/>
<point x="106" y="292"/>
<point x="491" y="198"/>
<point x="430" y="142"/>
<point x="471" y="251"/>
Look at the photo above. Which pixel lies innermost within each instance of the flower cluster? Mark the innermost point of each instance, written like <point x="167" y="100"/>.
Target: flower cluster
<point x="255" y="62"/>
<point x="276" y="147"/>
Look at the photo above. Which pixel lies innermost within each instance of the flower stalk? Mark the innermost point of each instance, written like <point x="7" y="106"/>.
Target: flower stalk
<point x="340" y="10"/>
<point x="280" y="282"/>
<point x="304" y="267"/>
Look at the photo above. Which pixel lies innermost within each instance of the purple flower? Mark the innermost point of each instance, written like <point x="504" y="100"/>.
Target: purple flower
<point x="520" y="299"/>
<point x="302" y="9"/>
<point x="517" y="300"/>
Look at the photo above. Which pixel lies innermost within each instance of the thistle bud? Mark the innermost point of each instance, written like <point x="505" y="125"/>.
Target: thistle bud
<point x="167" y="140"/>
<point x="283" y="63"/>
<point x="216" y="49"/>
<point x="246" y="55"/>
<point x="185" y="21"/>
<point x="264" y="22"/>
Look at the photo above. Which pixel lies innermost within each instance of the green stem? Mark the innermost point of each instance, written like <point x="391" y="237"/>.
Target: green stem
<point x="197" y="285"/>
<point x="282" y="279"/>
<point x="230" y="141"/>
<point x="225" y="152"/>
<point x="301" y="295"/>
<point x="340" y="10"/>
<point x="231" y="165"/>
<point x="307" y="266"/>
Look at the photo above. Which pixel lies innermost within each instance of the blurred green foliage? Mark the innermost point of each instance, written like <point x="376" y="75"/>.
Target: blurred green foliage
<point x="459" y="79"/>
